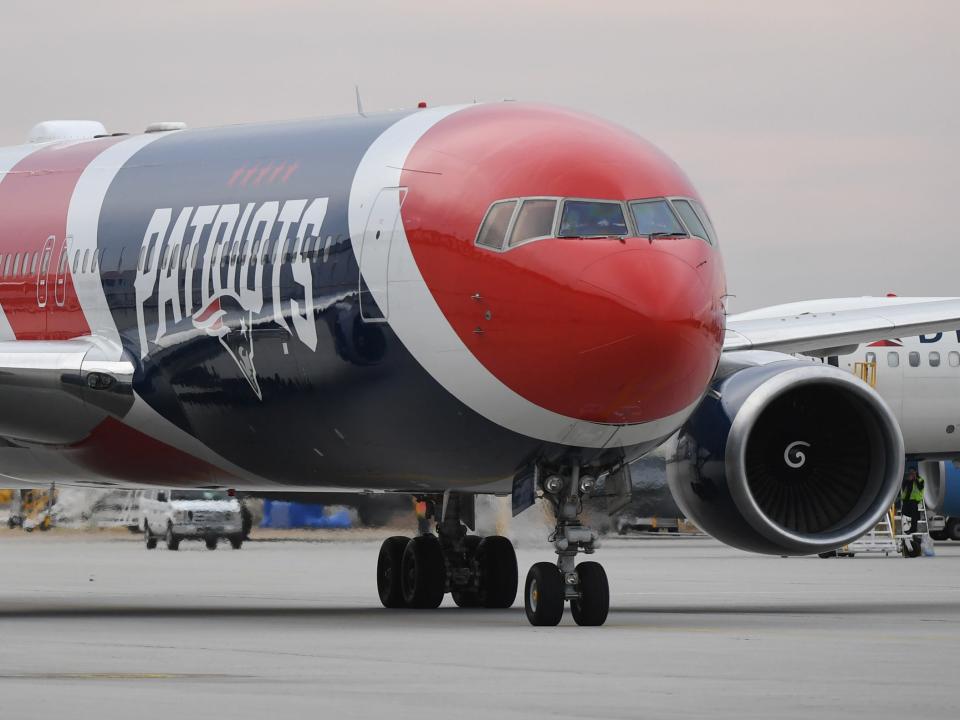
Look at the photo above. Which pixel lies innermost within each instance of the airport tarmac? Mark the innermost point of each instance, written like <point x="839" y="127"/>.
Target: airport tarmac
<point x="95" y="626"/>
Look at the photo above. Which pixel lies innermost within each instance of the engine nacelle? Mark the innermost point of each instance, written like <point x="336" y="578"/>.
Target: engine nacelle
<point x="941" y="492"/>
<point x="787" y="457"/>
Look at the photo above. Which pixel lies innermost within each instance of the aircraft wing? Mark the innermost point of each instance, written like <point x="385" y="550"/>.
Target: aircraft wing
<point x="56" y="391"/>
<point x="822" y="325"/>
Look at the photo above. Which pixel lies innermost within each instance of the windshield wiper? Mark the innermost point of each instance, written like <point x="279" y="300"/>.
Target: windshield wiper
<point x="655" y="235"/>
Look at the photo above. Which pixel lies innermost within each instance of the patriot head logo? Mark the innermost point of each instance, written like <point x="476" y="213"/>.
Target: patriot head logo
<point x="226" y="319"/>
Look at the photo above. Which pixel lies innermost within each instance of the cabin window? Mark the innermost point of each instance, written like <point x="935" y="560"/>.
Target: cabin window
<point x="16" y="264"/>
<point x="893" y="359"/>
<point x="954" y="358"/>
<point x="175" y="258"/>
<point x="934" y="358"/>
<point x="6" y="267"/>
<point x="33" y="264"/>
<point x="493" y="230"/>
<point x="914" y="358"/>
<point x="86" y="257"/>
<point x="535" y="220"/>
<point x="592" y="218"/>
<point x="64" y="258"/>
<point x="872" y="358"/>
<point x="143" y="252"/>
<point x="691" y="219"/>
<point x="654" y="217"/>
<point x="196" y="255"/>
<point x="45" y="265"/>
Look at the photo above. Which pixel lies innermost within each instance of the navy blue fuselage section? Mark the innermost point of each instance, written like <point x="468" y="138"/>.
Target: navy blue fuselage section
<point x="227" y="266"/>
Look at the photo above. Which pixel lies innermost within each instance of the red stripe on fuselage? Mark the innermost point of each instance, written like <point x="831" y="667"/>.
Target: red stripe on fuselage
<point x="118" y="452"/>
<point x="34" y="200"/>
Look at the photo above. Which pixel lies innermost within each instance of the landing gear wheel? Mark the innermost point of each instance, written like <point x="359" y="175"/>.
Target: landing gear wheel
<point x="236" y="541"/>
<point x="389" y="578"/>
<point x="468" y="598"/>
<point x="543" y="595"/>
<point x="953" y="529"/>
<point x="497" y="563"/>
<point x="211" y="543"/>
<point x="423" y="573"/>
<point x="594" y="603"/>
<point x="173" y="542"/>
<point x="149" y="538"/>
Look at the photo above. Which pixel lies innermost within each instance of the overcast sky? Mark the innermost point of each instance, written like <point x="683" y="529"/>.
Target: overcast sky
<point x="823" y="136"/>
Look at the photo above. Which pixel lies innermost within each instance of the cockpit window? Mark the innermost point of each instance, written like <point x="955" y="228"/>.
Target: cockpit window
<point x="592" y="218"/>
<point x="707" y="222"/>
<point x="494" y="228"/>
<point x="535" y="220"/>
<point x="690" y="219"/>
<point x="654" y="217"/>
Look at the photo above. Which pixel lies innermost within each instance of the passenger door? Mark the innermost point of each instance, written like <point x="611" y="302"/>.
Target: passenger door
<point x="60" y="287"/>
<point x="43" y="271"/>
<point x="375" y="253"/>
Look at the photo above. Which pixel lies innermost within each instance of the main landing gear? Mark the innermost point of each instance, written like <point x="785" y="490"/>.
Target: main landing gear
<point x="585" y="585"/>
<point x="418" y="572"/>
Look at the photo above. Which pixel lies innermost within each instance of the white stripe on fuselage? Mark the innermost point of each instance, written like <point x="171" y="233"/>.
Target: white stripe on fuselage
<point x="83" y="223"/>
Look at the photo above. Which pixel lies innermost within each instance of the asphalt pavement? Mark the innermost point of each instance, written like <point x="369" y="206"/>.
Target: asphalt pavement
<point x="95" y="626"/>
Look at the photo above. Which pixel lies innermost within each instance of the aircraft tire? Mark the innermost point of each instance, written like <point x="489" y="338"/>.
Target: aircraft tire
<point x="594" y="603"/>
<point x="236" y="541"/>
<point x="423" y="573"/>
<point x="953" y="528"/>
<point x="497" y="563"/>
<point x="543" y="595"/>
<point x="389" y="568"/>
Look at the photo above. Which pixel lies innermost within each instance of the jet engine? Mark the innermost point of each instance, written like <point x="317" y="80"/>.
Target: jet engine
<point x="942" y="487"/>
<point x="786" y="457"/>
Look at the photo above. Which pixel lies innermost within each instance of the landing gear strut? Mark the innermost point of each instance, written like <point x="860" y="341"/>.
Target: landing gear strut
<point x="585" y="585"/>
<point x="477" y="572"/>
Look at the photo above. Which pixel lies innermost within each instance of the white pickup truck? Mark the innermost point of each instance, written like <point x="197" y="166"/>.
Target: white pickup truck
<point x="176" y="515"/>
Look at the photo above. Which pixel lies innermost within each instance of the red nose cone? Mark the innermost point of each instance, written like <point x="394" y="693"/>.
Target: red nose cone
<point x="598" y="329"/>
<point x="652" y="351"/>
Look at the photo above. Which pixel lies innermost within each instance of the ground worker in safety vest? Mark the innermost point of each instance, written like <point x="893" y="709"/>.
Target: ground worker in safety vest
<point x="911" y="495"/>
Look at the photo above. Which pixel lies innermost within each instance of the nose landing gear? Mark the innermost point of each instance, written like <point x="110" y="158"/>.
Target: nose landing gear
<point x="585" y="584"/>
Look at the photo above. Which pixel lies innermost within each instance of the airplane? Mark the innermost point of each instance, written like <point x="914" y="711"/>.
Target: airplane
<point x="501" y="298"/>
<point x="919" y="379"/>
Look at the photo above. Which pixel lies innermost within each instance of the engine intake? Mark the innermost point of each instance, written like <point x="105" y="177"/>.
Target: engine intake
<point x="787" y="457"/>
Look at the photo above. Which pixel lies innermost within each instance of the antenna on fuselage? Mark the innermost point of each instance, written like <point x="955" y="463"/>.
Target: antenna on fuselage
<point x="359" y="102"/>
